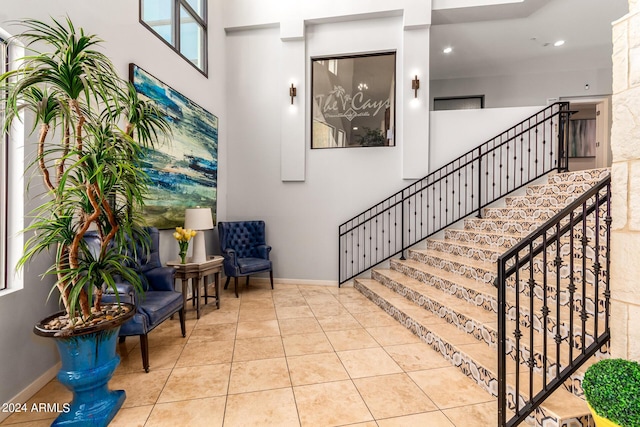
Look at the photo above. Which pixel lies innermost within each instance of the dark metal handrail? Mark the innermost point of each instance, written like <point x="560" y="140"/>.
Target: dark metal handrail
<point x="464" y="186"/>
<point x="580" y="231"/>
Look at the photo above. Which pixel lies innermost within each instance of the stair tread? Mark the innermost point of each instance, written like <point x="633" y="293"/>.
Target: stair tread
<point x="486" y="265"/>
<point x="452" y="277"/>
<point x="469" y="245"/>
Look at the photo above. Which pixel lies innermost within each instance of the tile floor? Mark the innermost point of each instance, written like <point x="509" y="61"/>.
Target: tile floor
<point x="294" y="356"/>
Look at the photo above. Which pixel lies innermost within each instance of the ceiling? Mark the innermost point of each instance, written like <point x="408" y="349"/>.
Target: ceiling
<point x="517" y="36"/>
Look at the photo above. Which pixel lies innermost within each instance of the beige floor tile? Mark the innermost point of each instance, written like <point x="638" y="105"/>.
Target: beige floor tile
<point x="371" y="319"/>
<point x="208" y="412"/>
<point x="352" y="297"/>
<point x="330" y="404"/>
<point x="275" y="408"/>
<point x="293" y="312"/>
<point x="449" y="387"/>
<point x="217" y="317"/>
<point x="267" y="328"/>
<point x="132" y="417"/>
<point x="336" y="309"/>
<point x="296" y="345"/>
<point x="160" y="357"/>
<point x="195" y="382"/>
<point x="123" y="348"/>
<point x="249" y="303"/>
<point x="213" y="332"/>
<point x="205" y="353"/>
<point x="393" y="395"/>
<point x="142" y="388"/>
<point x="257" y="294"/>
<point x="289" y="300"/>
<point x="351" y="339"/>
<point x="168" y="333"/>
<point x="482" y="414"/>
<point x="316" y="368"/>
<point x="393" y="335"/>
<point x="303" y="325"/>
<point x="430" y="419"/>
<point x="228" y="304"/>
<point x="258" y="348"/>
<point x="257" y="375"/>
<point x="368" y="362"/>
<point x="338" y="323"/>
<point x="256" y="314"/>
<point x="361" y="307"/>
<point x="414" y="357"/>
<point x="53" y="392"/>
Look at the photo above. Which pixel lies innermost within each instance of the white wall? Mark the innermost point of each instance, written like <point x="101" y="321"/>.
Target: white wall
<point x="526" y="89"/>
<point x="24" y="356"/>
<point x="459" y="131"/>
<point x="302" y="217"/>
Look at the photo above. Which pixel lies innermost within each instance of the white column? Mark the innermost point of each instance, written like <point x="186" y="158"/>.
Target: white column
<point x="292" y="128"/>
<point x="413" y="118"/>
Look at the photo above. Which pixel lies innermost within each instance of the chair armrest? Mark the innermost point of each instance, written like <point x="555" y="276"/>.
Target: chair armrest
<point x="230" y="256"/>
<point x="161" y="278"/>
<point x="263" y="251"/>
<point x="126" y="293"/>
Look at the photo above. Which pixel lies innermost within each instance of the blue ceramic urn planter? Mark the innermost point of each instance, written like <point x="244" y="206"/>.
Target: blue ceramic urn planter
<point x="88" y="361"/>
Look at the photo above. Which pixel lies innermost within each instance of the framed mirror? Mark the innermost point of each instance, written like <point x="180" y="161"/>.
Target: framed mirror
<point x="353" y="101"/>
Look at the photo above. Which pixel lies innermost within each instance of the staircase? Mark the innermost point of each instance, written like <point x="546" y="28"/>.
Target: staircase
<point x="445" y="292"/>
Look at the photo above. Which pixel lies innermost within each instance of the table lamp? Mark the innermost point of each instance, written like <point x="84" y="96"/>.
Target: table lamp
<point x="198" y="219"/>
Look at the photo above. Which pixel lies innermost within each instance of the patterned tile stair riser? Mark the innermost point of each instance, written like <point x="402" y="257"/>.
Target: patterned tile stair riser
<point x="482" y="375"/>
<point x="462" y="267"/>
<point x="477" y="329"/>
<point x="492" y="240"/>
<point x="416" y="271"/>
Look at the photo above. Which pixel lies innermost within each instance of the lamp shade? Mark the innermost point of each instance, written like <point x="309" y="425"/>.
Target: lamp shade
<point x="198" y="219"/>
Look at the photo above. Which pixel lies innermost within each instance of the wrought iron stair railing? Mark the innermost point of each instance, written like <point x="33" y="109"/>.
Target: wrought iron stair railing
<point x="514" y="158"/>
<point x="561" y="306"/>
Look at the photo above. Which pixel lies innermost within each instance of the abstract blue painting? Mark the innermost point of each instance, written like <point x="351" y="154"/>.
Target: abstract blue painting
<point x="183" y="170"/>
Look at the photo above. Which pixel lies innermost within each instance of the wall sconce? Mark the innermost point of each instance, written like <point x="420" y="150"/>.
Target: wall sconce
<point x="292" y="92"/>
<point x="415" y="85"/>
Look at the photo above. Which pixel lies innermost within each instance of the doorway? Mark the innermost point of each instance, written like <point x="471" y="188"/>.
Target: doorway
<point x="589" y="133"/>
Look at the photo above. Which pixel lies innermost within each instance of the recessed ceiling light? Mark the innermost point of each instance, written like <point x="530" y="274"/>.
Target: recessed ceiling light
<point x="447" y="50"/>
<point x="559" y="43"/>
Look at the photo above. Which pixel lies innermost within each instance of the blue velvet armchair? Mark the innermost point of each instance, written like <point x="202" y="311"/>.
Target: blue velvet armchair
<point x="243" y="246"/>
<point x="159" y="302"/>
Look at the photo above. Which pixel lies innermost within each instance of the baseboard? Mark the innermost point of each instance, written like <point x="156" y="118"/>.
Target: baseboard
<point x="293" y="281"/>
<point x="33" y="388"/>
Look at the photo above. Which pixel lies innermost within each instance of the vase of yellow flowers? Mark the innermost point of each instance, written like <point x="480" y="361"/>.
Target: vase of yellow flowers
<point x="183" y="236"/>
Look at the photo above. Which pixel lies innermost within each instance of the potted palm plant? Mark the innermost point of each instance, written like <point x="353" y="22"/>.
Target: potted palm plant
<point x="612" y="390"/>
<point x="91" y="132"/>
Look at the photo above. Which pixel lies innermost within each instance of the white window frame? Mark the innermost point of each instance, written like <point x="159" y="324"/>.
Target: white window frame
<point x="175" y="22"/>
<point x="12" y="198"/>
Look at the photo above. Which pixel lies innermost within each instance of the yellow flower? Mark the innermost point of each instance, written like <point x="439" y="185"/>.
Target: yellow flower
<point x="182" y="235"/>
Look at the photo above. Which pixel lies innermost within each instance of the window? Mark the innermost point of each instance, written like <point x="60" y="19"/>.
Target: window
<point x="182" y="24"/>
<point x="4" y="176"/>
<point x="458" y="103"/>
<point x="11" y="181"/>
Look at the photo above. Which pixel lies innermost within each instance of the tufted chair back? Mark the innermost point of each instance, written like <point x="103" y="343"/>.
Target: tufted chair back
<point x="243" y="237"/>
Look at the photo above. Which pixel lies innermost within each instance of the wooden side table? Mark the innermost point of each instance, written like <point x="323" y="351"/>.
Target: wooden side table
<point x="198" y="271"/>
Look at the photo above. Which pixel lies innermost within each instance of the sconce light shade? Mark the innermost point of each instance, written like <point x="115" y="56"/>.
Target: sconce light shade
<point x="415" y="85"/>
<point x="292" y="92"/>
<point x="198" y="219"/>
